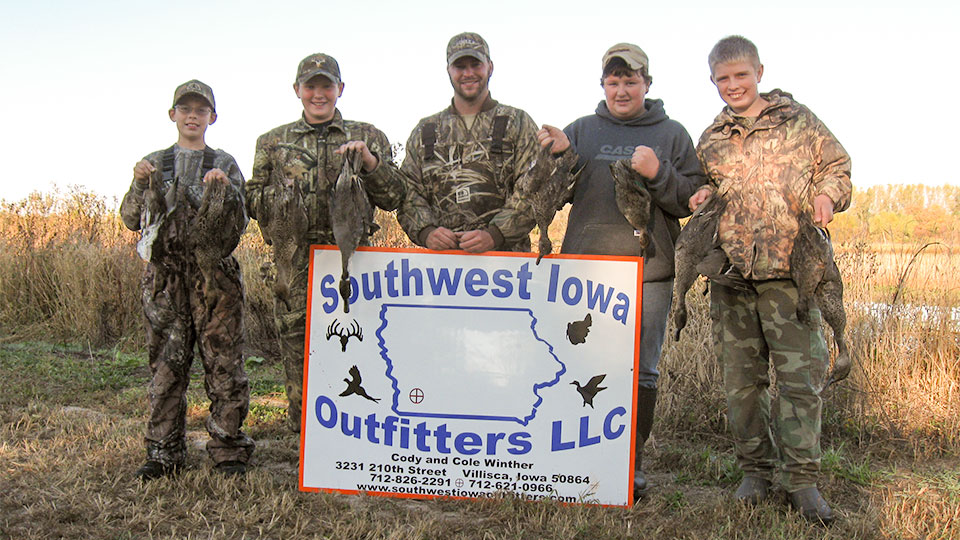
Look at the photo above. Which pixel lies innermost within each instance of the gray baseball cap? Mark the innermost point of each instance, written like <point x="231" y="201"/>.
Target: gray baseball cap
<point x="467" y="44"/>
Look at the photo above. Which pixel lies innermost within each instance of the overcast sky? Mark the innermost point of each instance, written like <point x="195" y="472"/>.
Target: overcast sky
<point x="86" y="85"/>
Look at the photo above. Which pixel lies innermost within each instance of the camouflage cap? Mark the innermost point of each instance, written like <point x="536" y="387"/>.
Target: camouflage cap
<point x="631" y="54"/>
<point x="467" y="44"/>
<point x="194" y="87"/>
<point x="318" y="64"/>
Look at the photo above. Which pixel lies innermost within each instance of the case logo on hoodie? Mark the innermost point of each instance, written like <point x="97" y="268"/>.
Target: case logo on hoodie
<point x="613" y="153"/>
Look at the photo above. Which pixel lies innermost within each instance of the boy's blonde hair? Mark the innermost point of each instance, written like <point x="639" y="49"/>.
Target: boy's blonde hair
<point x="734" y="49"/>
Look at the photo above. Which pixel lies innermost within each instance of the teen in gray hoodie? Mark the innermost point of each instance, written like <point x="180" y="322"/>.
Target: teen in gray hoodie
<point x="627" y="125"/>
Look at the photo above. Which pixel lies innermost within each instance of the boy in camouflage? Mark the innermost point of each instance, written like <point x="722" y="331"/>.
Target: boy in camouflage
<point x="772" y="160"/>
<point x="308" y="154"/>
<point x="188" y="202"/>
<point x="463" y="164"/>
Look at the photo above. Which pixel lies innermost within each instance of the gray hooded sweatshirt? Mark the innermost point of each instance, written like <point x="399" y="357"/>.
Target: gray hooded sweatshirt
<point x="596" y="226"/>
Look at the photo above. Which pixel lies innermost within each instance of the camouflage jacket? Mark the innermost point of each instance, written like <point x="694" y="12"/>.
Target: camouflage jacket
<point x="187" y="169"/>
<point x="467" y="182"/>
<point x="770" y="169"/>
<point x="300" y="152"/>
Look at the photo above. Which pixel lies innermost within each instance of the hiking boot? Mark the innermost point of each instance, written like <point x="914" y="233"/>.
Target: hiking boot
<point x="752" y="490"/>
<point x="811" y="505"/>
<point x="152" y="470"/>
<point x="231" y="468"/>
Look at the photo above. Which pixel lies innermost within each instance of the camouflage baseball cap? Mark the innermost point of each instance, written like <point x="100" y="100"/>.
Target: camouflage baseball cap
<point x="197" y="88"/>
<point x="467" y="44"/>
<point x="631" y="54"/>
<point x="318" y="64"/>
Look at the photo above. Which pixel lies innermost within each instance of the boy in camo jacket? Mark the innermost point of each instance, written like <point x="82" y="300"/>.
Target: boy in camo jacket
<point x="309" y="153"/>
<point x="188" y="202"/>
<point x="773" y="160"/>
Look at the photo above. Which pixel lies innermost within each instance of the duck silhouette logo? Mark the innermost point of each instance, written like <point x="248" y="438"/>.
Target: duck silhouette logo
<point x="589" y="390"/>
<point x="577" y="330"/>
<point x="353" y="386"/>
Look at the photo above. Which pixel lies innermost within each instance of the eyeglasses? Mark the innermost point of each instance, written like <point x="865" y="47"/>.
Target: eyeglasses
<point x="200" y="111"/>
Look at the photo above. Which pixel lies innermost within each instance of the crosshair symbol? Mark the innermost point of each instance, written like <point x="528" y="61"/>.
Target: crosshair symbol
<point x="459" y="482"/>
<point x="416" y="395"/>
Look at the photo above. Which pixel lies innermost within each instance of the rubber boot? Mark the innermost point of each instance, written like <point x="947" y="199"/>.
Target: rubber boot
<point x="231" y="468"/>
<point x="152" y="470"/>
<point x="752" y="490"/>
<point x="811" y="505"/>
<point x="646" y="402"/>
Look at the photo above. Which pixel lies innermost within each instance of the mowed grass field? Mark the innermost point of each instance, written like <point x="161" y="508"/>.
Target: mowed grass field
<point x="73" y="408"/>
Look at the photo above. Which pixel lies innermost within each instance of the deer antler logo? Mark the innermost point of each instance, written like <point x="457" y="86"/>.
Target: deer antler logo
<point x="344" y="333"/>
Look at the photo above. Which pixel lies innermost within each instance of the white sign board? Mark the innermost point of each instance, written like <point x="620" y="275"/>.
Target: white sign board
<point x="457" y="375"/>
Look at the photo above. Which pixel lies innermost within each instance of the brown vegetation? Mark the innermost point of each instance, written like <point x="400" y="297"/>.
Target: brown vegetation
<point x="897" y="213"/>
<point x="69" y="273"/>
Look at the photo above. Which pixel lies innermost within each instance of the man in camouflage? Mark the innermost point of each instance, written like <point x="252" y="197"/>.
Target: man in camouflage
<point x="183" y="306"/>
<point x="310" y="153"/>
<point x="463" y="164"/>
<point x="772" y="159"/>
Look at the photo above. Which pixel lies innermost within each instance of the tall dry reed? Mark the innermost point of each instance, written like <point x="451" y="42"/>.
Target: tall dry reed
<point x="69" y="272"/>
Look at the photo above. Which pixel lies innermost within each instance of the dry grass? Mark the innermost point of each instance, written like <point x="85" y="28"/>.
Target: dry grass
<point x="925" y="505"/>
<point x="904" y="330"/>
<point x="67" y="474"/>
<point x="71" y="419"/>
<point x="69" y="271"/>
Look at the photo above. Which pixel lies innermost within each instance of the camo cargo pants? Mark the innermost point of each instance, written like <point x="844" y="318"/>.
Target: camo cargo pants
<point x="179" y="315"/>
<point x="751" y="331"/>
<point x="291" y="328"/>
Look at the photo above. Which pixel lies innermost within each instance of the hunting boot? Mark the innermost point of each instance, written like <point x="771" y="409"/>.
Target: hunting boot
<point x="152" y="470"/>
<point x="811" y="505"/>
<point x="646" y="401"/>
<point x="231" y="468"/>
<point x="752" y="490"/>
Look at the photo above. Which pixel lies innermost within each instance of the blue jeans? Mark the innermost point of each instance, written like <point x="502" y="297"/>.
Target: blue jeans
<point x="657" y="297"/>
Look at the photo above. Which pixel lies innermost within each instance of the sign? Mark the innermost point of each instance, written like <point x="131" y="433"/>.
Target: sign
<point x="458" y="375"/>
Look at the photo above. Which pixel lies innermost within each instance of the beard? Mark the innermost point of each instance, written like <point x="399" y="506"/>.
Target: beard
<point x="473" y="95"/>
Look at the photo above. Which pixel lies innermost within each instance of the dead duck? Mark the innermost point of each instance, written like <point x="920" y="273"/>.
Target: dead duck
<point x="815" y="272"/>
<point x="696" y="245"/>
<point x="633" y="199"/>
<point x="285" y="229"/>
<point x="544" y="187"/>
<point x="207" y="231"/>
<point x="157" y="205"/>
<point x="812" y="268"/>
<point x="350" y="217"/>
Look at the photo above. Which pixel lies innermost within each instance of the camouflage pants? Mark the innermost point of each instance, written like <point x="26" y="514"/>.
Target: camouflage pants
<point x="179" y="315"/>
<point x="751" y="331"/>
<point x="291" y="328"/>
